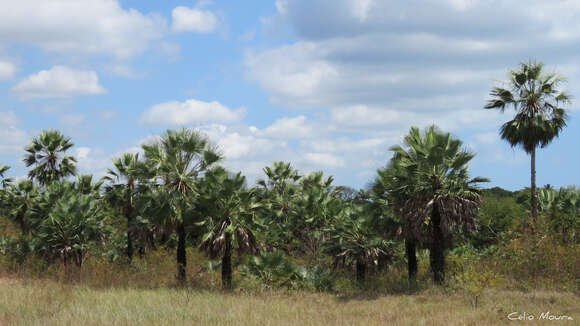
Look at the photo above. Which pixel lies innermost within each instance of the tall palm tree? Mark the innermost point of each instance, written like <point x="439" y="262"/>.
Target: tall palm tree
<point x="124" y="189"/>
<point x="231" y="219"/>
<point x="178" y="158"/>
<point x="539" y="119"/>
<point x="432" y="174"/>
<point x="47" y="155"/>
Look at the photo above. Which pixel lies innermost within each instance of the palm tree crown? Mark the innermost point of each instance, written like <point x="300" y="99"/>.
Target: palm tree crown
<point x="536" y="98"/>
<point x="47" y="153"/>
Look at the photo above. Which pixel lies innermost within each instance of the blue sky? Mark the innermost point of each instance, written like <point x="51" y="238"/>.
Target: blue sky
<point x="325" y="84"/>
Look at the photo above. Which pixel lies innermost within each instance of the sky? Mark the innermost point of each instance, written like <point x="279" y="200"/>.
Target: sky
<point x="327" y="85"/>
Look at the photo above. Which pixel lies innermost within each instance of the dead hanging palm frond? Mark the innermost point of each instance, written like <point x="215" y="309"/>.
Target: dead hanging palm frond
<point x="247" y="242"/>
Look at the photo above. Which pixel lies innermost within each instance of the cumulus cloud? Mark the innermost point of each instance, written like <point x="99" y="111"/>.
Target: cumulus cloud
<point x="289" y="128"/>
<point x="190" y="112"/>
<point x="193" y="20"/>
<point x="59" y="82"/>
<point x="79" y="27"/>
<point x="12" y="138"/>
<point x="378" y="63"/>
<point x="7" y="70"/>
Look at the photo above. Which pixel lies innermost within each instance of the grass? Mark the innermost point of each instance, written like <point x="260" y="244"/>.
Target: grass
<point x="46" y="302"/>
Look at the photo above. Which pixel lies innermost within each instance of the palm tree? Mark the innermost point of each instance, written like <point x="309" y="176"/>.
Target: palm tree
<point x="5" y="181"/>
<point x="21" y="198"/>
<point x="539" y="119"/>
<point x="231" y="219"/>
<point x="280" y="190"/>
<point x="178" y="158"/>
<point x="74" y="225"/>
<point x="385" y="197"/>
<point x="432" y="174"/>
<point x="124" y="190"/>
<point x="86" y="186"/>
<point x="353" y="240"/>
<point x="317" y="205"/>
<point x="47" y="153"/>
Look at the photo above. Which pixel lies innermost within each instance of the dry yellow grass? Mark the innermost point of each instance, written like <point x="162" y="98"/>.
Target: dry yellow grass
<point x="45" y="302"/>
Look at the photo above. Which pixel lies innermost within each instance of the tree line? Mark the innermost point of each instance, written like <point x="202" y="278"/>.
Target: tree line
<point x="175" y="193"/>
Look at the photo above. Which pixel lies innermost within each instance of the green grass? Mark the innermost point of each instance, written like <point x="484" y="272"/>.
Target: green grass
<point x="45" y="302"/>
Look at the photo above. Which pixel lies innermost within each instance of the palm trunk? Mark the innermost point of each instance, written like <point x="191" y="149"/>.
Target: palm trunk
<point x="534" y="195"/>
<point x="129" y="240"/>
<point x="411" y="252"/>
<point x="227" y="263"/>
<point x="361" y="268"/>
<point x="437" y="251"/>
<point x="181" y="257"/>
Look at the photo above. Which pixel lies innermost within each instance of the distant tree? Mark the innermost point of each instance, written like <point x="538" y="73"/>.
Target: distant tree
<point x="496" y="215"/>
<point x="47" y="156"/>
<point x="539" y="118"/>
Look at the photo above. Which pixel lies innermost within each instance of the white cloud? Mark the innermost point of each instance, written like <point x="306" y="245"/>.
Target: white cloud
<point x="324" y="160"/>
<point x="193" y="20"/>
<point x="79" y="27"/>
<point x="123" y="70"/>
<point x="247" y="36"/>
<point x="190" y="112"/>
<point x="7" y="70"/>
<point x="487" y="138"/>
<point x="59" y="82"/>
<point x="73" y="120"/>
<point x="384" y="64"/>
<point x="93" y="161"/>
<point x="288" y="128"/>
<point x="12" y="138"/>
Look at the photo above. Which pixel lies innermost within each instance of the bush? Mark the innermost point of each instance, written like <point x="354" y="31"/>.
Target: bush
<point x="274" y="270"/>
<point x="475" y="281"/>
<point x="320" y="279"/>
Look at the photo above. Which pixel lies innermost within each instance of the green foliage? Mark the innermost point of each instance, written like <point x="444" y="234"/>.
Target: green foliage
<point x="73" y="227"/>
<point x="496" y="216"/>
<point x="560" y="212"/>
<point x="475" y="282"/>
<point x="17" y="250"/>
<point x="274" y="270"/>
<point x="321" y="279"/>
<point x="353" y="241"/>
<point x="230" y="209"/>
